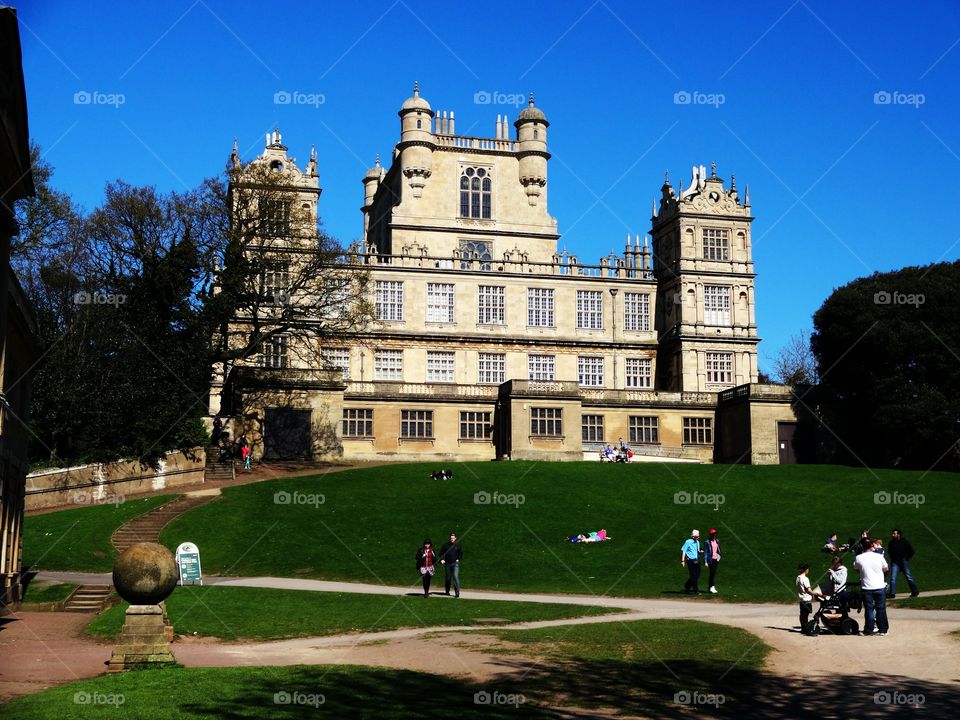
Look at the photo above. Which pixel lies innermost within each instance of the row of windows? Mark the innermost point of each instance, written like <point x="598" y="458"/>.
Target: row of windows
<point x="491" y="306"/>
<point x="491" y="367"/>
<point x="544" y="422"/>
<point x="474" y="425"/>
<point x="645" y="430"/>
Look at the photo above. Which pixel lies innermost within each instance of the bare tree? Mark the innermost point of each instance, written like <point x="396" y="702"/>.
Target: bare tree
<point x="796" y="364"/>
<point x="280" y="288"/>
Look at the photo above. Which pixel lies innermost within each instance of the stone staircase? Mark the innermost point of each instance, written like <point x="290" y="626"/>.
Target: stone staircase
<point x="88" y="599"/>
<point x="147" y="527"/>
<point x="215" y="470"/>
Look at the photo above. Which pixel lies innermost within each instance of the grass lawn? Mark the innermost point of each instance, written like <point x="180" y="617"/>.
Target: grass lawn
<point x="636" y="667"/>
<point x="264" y="614"/>
<point x="938" y="602"/>
<point x="366" y="524"/>
<point x="79" y="539"/>
<point x="47" y="592"/>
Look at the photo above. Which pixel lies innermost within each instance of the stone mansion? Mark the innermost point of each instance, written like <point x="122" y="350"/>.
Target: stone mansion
<point x="490" y="344"/>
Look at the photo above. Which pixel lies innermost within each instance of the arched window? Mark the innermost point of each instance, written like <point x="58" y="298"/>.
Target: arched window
<point x="476" y="188"/>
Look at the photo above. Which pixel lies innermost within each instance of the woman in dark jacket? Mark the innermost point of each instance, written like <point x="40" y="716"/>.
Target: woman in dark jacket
<point x="426" y="564"/>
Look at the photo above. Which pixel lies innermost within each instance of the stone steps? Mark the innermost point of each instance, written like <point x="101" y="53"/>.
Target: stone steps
<point x="147" y="527"/>
<point x="89" y="598"/>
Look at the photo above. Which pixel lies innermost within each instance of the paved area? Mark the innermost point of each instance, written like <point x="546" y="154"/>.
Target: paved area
<point x="919" y="646"/>
<point x="42" y="649"/>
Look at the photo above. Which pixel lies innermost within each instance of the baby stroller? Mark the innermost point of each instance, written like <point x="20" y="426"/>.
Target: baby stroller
<point x="834" y="613"/>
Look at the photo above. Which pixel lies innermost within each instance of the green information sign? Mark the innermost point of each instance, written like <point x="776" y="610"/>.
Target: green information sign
<point x="188" y="560"/>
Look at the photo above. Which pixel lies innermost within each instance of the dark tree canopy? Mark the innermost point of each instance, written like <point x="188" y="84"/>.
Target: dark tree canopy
<point x="888" y="355"/>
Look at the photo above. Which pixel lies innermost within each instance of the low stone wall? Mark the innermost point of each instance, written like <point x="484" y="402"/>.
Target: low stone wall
<point x="110" y="483"/>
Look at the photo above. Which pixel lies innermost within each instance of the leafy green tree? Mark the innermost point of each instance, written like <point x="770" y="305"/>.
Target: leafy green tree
<point x="888" y="356"/>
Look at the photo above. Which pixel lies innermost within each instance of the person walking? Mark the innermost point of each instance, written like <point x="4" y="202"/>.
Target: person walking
<point x="901" y="552"/>
<point x="873" y="586"/>
<point x="450" y="556"/>
<point x="690" y="554"/>
<point x="245" y="453"/>
<point x="426" y="564"/>
<point x="711" y="556"/>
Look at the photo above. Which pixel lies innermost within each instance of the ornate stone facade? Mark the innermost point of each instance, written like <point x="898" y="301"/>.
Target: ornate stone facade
<point x="490" y="343"/>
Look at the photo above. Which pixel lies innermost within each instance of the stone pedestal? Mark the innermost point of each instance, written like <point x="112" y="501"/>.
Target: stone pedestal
<point x="143" y="640"/>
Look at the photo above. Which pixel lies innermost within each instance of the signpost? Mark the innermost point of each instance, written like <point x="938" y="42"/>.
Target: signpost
<point x="188" y="561"/>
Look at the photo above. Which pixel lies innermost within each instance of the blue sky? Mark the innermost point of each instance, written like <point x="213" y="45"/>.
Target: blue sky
<point x="843" y="181"/>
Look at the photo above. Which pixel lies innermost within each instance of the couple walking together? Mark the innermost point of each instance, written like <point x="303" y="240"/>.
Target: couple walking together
<point x="448" y="556"/>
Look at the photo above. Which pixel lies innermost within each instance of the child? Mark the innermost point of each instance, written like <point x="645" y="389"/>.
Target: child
<point x="806" y="594"/>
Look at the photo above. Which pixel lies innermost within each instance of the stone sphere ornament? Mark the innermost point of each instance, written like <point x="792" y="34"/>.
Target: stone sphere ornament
<point x="145" y="574"/>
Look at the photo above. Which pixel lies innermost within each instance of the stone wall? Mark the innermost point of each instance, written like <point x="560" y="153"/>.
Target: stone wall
<point x="106" y="483"/>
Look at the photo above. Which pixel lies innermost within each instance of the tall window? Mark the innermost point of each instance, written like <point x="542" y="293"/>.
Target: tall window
<point x="542" y="367"/>
<point x="697" y="431"/>
<point x="389" y="304"/>
<point x="639" y="372"/>
<point x="440" y="302"/>
<point x="440" y="366"/>
<point x="644" y="430"/>
<point x="590" y="309"/>
<point x="716" y="304"/>
<point x="591" y="428"/>
<point x="475" y="192"/>
<point x="357" y="422"/>
<point x="590" y="371"/>
<point x="540" y="307"/>
<point x="636" y="311"/>
<point x="475" y="251"/>
<point x="276" y="282"/>
<point x="490" y="304"/>
<point x="716" y="244"/>
<point x="475" y="425"/>
<point x="273" y="352"/>
<point x="546" y="422"/>
<point x="720" y="368"/>
<point x="337" y="358"/>
<point x="491" y="368"/>
<point x="416" y="423"/>
<point x="388" y="365"/>
<point x="275" y="218"/>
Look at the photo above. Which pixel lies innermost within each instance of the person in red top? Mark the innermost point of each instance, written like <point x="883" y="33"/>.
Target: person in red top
<point x="711" y="556"/>
<point x="426" y="564"/>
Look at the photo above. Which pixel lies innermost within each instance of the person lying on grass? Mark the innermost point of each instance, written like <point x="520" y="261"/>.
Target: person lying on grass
<point x="596" y="536"/>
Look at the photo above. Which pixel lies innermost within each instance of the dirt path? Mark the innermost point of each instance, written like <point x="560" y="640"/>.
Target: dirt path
<point x="919" y="646"/>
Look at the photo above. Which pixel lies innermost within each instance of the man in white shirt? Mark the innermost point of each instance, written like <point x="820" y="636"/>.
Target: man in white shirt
<point x="873" y="585"/>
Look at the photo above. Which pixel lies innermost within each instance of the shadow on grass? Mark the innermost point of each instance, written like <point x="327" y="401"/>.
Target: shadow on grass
<point x="697" y="689"/>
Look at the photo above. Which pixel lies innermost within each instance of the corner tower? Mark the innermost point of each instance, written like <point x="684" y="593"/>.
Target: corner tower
<point x="532" y="152"/>
<point x="703" y="264"/>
